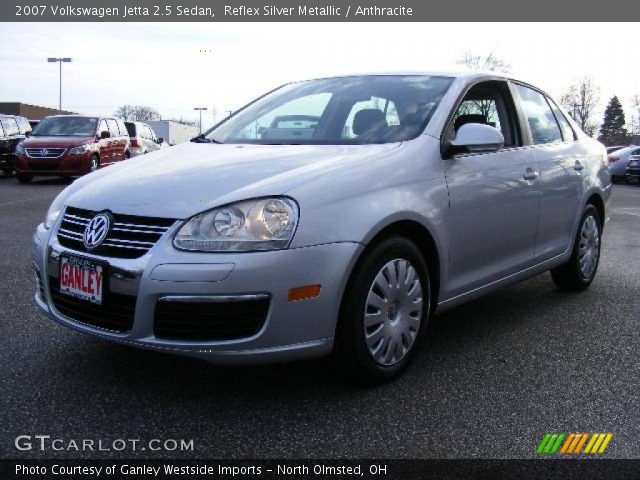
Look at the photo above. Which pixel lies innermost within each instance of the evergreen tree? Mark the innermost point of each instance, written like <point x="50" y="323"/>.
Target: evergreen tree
<point x="612" y="131"/>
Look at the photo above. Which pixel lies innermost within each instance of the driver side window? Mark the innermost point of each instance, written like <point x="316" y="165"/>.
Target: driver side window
<point x="488" y="103"/>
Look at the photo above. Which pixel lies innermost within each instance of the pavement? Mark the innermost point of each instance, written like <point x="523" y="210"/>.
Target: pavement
<point x="492" y="377"/>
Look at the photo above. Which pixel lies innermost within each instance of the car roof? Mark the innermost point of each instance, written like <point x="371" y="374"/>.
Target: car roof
<point x="623" y="150"/>
<point x="461" y="74"/>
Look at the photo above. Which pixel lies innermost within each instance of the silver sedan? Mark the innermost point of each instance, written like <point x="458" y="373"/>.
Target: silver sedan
<point x="260" y="241"/>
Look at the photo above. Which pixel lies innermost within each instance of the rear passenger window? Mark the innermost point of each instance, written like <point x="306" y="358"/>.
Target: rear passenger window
<point x="542" y="123"/>
<point x="567" y="132"/>
<point x="113" y="127"/>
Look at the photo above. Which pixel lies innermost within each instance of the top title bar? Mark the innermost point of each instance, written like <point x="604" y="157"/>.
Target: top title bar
<point x="316" y="11"/>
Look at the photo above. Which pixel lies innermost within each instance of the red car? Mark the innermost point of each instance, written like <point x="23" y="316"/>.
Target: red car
<point x="70" y="145"/>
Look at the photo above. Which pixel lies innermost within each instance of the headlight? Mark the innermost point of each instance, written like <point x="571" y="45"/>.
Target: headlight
<point x="56" y="208"/>
<point x="260" y="224"/>
<point x="78" y="150"/>
<point x="19" y="149"/>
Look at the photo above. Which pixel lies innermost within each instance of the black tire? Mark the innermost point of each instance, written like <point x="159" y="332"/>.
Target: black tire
<point x="95" y="160"/>
<point x="24" y="178"/>
<point x="569" y="276"/>
<point x="127" y="155"/>
<point x="7" y="172"/>
<point x="351" y="353"/>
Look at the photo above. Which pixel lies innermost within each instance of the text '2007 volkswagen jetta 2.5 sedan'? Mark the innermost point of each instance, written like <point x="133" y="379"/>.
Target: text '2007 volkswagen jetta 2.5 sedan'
<point x="328" y="216"/>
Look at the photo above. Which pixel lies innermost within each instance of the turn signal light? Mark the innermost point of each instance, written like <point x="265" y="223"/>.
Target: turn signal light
<point x="304" y="293"/>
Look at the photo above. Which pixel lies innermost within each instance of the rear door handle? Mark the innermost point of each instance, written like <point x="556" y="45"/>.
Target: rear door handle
<point x="578" y="166"/>
<point x="530" y="174"/>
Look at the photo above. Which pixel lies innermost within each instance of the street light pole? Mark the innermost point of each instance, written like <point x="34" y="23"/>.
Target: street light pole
<point x="60" y="61"/>
<point x="200" y="109"/>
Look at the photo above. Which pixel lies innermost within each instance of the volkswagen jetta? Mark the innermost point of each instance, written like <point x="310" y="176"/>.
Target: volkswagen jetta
<point x="267" y="241"/>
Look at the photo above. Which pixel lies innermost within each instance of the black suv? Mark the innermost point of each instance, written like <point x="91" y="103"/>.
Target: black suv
<point x="13" y="130"/>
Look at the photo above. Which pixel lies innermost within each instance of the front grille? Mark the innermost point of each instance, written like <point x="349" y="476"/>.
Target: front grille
<point x="45" y="152"/>
<point x="129" y="236"/>
<point x="207" y="321"/>
<point x="116" y="312"/>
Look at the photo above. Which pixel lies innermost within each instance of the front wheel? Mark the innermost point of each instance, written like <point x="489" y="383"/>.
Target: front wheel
<point x="580" y="270"/>
<point x="385" y="308"/>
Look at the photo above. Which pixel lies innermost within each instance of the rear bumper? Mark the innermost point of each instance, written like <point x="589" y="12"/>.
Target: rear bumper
<point x="632" y="173"/>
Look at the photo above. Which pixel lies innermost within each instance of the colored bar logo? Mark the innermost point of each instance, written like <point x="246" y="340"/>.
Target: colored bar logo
<point x="574" y="443"/>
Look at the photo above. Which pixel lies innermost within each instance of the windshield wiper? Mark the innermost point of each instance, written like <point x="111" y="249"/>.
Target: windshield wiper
<point x="202" y="139"/>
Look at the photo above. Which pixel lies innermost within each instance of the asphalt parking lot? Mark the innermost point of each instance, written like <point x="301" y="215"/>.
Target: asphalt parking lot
<point x="491" y="379"/>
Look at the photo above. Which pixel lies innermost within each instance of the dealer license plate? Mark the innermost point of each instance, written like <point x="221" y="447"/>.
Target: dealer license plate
<point x="81" y="278"/>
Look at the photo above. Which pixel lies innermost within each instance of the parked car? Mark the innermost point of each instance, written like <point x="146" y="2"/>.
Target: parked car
<point x="619" y="159"/>
<point x="143" y="138"/>
<point x="614" y="148"/>
<point x="70" y="145"/>
<point x="291" y="126"/>
<point x="632" y="174"/>
<point x="13" y="129"/>
<point x="404" y="202"/>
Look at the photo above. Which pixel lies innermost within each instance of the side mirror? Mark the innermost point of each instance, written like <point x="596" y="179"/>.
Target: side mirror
<point x="105" y="134"/>
<point x="160" y="140"/>
<point x="474" y="138"/>
<point x="27" y="133"/>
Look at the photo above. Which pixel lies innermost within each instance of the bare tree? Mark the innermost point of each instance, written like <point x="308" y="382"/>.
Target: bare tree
<point x="137" y="113"/>
<point x="581" y="101"/>
<point x="635" y="116"/>
<point x="489" y="63"/>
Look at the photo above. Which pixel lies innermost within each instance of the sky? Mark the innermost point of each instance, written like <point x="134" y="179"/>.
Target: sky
<point x="174" y="67"/>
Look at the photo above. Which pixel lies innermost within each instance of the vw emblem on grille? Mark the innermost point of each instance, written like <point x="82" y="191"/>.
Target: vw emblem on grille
<point x="44" y="152"/>
<point x="96" y="231"/>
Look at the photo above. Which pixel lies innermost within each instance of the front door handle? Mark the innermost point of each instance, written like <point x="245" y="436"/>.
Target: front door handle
<point x="578" y="166"/>
<point x="530" y="174"/>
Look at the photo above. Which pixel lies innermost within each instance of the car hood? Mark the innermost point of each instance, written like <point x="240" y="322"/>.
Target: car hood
<point x="181" y="181"/>
<point x="56" y="142"/>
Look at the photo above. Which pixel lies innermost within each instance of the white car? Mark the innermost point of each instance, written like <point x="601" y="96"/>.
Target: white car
<point x="143" y="139"/>
<point x="619" y="160"/>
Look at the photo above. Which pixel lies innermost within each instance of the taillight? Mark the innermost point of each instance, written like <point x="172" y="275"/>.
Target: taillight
<point x="134" y="142"/>
<point x="613" y="159"/>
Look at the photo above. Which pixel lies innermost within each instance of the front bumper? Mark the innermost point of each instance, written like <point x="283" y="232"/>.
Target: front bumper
<point x="632" y="173"/>
<point x="291" y="330"/>
<point x="65" y="165"/>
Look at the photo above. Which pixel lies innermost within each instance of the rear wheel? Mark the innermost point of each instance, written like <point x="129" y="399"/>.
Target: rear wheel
<point x="25" y="177"/>
<point x="385" y="307"/>
<point x="580" y="270"/>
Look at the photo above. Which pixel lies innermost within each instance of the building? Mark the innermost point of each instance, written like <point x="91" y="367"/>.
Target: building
<point x="31" y="112"/>
<point x="173" y="132"/>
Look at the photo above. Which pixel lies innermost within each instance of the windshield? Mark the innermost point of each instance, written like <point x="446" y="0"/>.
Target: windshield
<point x="347" y="110"/>
<point x="66" y="127"/>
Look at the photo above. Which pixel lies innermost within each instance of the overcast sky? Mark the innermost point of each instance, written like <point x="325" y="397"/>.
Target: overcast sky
<point x="175" y="67"/>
